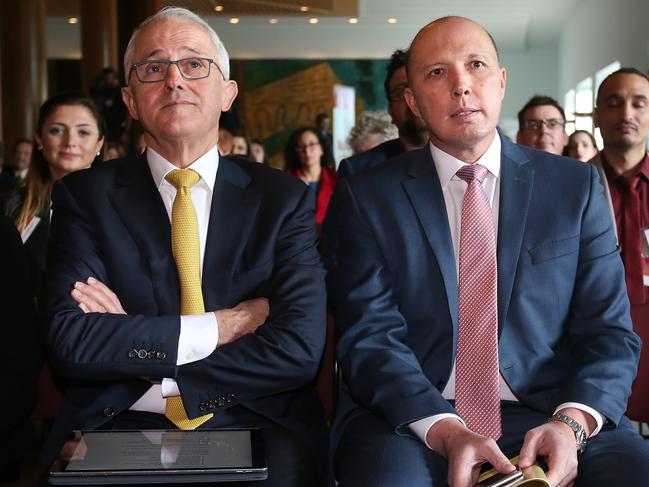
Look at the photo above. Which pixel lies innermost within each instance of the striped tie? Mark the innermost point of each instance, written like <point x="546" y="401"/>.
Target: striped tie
<point x="186" y="250"/>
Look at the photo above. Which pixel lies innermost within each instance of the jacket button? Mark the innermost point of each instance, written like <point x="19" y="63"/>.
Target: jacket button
<point x="132" y="353"/>
<point x="202" y="406"/>
<point x="142" y="353"/>
<point x="221" y="402"/>
<point x="151" y="354"/>
<point x="108" y="412"/>
<point x="211" y="404"/>
<point x="161" y="355"/>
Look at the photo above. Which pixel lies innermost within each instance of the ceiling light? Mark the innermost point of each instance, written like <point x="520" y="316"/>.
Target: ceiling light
<point x="218" y="8"/>
<point x="313" y="20"/>
<point x="392" y="20"/>
<point x="353" y="20"/>
<point x="73" y="20"/>
<point x="273" y="21"/>
<point x="234" y="20"/>
<point x="304" y="8"/>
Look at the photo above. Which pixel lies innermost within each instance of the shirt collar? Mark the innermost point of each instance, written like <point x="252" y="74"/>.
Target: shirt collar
<point x="643" y="170"/>
<point x="206" y="166"/>
<point x="447" y="165"/>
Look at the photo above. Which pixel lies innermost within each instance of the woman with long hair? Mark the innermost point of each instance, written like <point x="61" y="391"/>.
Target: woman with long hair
<point x="308" y="156"/>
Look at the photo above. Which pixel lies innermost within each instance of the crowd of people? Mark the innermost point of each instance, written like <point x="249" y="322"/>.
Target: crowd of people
<point x="489" y="297"/>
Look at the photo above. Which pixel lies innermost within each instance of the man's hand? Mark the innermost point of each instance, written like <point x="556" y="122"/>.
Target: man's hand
<point x="93" y="296"/>
<point x="244" y="318"/>
<point x="465" y="452"/>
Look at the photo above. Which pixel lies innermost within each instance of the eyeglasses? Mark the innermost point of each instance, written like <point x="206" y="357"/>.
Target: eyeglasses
<point x="301" y="147"/>
<point x="551" y="123"/>
<point x="397" y="92"/>
<point x="190" y="68"/>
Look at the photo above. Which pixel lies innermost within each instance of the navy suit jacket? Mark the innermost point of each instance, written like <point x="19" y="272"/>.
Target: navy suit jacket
<point x="370" y="158"/>
<point x="110" y="222"/>
<point x="564" y="327"/>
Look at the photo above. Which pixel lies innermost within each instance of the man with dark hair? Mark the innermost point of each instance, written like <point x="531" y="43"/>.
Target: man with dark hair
<point x="479" y="298"/>
<point x="13" y="175"/>
<point x="412" y="131"/>
<point x="541" y="125"/>
<point x="622" y="115"/>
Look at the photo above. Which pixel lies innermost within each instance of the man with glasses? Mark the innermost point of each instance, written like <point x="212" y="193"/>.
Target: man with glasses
<point x="412" y="131"/>
<point x="541" y="125"/>
<point x="184" y="288"/>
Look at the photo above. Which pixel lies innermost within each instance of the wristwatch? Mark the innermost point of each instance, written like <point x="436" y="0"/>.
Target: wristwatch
<point x="580" y="432"/>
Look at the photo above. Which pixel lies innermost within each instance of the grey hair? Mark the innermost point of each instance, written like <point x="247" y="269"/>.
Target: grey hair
<point x="372" y="123"/>
<point x="222" y="60"/>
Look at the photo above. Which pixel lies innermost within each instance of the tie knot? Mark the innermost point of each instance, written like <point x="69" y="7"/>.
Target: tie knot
<point x="183" y="178"/>
<point x="469" y="172"/>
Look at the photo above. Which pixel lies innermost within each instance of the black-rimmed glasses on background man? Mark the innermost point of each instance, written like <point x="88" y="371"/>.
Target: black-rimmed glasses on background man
<point x="190" y="68"/>
<point x="551" y="123"/>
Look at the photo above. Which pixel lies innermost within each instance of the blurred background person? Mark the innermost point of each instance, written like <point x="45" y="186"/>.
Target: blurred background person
<point x="307" y="155"/>
<point x="69" y="137"/>
<point x="581" y="146"/>
<point x="240" y="146"/>
<point x="373" y="128"/>
<point x="226" y="141"/>
<point x="541" y="125"/>
<point x="114" y="150"/>
<point x="107" y="94"/>
<point x="258" y="151"/>
<point x="323" y="125"/>
<point x="14" y="173"/>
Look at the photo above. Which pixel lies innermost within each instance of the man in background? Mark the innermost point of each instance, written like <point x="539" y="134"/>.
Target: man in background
<point x="411" y="129"/>
<point x="541" y="125"/>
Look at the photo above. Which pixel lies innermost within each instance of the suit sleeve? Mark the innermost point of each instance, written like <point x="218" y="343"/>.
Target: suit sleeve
<point x="605" y="349"/>
<point x="380" y="370"/>
<point x="96" y="346"/>
<point x="284" y="353"/>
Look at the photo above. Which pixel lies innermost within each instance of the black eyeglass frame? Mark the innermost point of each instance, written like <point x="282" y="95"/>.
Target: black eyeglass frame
<point x="551" y="123"/>
<point x="169" y="63"/>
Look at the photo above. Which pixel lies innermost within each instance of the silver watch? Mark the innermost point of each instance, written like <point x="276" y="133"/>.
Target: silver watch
<point x="580" y="432"/>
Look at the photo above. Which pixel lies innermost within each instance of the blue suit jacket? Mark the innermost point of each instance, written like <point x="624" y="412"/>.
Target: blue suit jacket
<point x="109" y="222"/>
<point x="565" y="332"/>
<point x="373" y="157"/>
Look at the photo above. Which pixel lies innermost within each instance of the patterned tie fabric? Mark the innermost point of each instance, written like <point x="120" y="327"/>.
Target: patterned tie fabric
<point x="477" y="396"/>
<point x="186" y="249"/>
<point x="631" y="241"/>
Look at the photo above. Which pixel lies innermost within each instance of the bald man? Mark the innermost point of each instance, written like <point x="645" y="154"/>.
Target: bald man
<point x="424" y="402"/>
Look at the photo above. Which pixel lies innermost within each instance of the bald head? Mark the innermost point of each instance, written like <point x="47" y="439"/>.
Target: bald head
<point x="456" y="85"/>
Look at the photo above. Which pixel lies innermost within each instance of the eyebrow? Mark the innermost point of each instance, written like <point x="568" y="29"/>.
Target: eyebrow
<point x="158" y="51"/>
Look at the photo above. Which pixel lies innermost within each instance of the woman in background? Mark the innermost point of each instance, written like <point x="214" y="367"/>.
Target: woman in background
<point x="308" y="156"/>
<point x="581" y="146"/>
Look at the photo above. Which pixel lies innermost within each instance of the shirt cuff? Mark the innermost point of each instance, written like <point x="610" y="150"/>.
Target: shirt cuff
<point x="198" y="337"/>
<point x="420" y="427"/>
<point x="599" y="419"/>
<point x="169" y="387"/>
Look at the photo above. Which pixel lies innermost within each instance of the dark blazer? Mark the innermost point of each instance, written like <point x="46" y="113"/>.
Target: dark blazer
<point x="564" y="327"/>
<point x="370" y="158"/>
<point x="109" y="222"/>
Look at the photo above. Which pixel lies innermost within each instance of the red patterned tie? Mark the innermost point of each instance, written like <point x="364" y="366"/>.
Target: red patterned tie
<point x="477" y="397"/>
<point x="632" y="239"/>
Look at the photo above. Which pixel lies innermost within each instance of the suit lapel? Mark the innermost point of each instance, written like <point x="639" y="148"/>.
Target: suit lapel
<point x="425" y="194"/>
<point x="517" y="177"/>
<point x="232" y="216"/>
<point x="138" y="203"/>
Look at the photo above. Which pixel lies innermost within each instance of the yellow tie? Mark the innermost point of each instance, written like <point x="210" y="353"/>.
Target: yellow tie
<point x="186" y="250"/>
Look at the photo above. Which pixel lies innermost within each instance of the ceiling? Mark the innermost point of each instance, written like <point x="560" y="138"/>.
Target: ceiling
<point x="517" y="25"/>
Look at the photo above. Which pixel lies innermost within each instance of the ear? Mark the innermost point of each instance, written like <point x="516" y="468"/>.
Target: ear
<point x="596" y="117"/>
<point x="100" y="143"/>
<point x="230" y="90"/>
<point x="129" y="101"/>
<point x="565" y="138"/>
<point x="39" y="141"/>
<point x="519" y="137"/>
<point x="409" y="96"/>
<point x="503" y="81"/>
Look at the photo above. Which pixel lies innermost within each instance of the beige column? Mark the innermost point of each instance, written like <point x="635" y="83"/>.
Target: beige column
<point x="98" y="39"/>
<point x="23" y="67"/>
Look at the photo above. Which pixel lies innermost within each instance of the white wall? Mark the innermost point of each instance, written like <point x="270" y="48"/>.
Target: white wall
<point x="529" y="73"/>
<point x="598" y="32"/>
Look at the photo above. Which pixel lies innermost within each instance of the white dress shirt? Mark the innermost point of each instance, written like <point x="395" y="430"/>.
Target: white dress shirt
<point x="453" y="190"/>
<point x="198" y="333"/>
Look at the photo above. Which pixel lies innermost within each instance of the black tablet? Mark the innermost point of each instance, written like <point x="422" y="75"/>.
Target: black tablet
<point x="160" y="457"/>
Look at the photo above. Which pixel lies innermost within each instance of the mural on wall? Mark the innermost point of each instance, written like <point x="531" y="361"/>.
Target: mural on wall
<point x="277" y="96"/>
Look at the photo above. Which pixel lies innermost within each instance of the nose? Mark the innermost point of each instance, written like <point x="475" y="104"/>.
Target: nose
<point x="174" y="78"/>
<point x="627" y="110"/>
<point x="461" y="85"/>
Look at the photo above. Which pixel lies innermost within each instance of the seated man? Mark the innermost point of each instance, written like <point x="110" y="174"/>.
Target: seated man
<point x="198" y="295"/>
<point x="480" y="298"/>
<point x="541" y="125"/>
